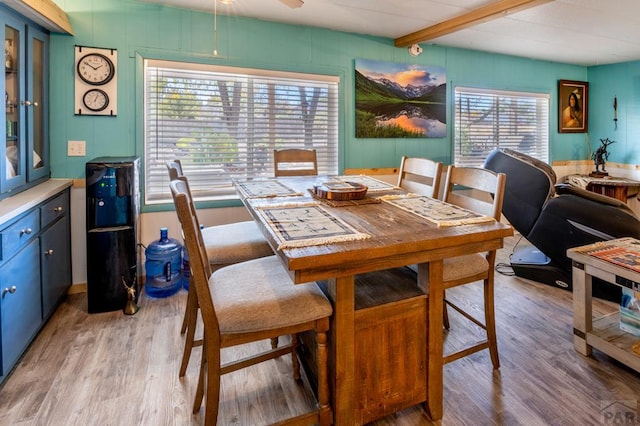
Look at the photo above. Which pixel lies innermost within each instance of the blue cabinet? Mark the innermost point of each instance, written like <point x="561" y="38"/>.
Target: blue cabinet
<point x="24" y="127"/>
<point x="35" y="272"/>
<point x="21" y="311"/>
<point x="55" y="246"/>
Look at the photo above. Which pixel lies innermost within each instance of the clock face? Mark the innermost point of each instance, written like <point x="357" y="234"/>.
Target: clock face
<point x="95" y="69"/>
<point x="95" y="100"/>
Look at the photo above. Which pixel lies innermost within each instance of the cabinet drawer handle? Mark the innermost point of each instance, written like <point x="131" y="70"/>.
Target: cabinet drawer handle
<point x="57" y="209"/>
<point x="10" y="290"/>
<point x="49" y="252"/>
<point x="25" y="231"/>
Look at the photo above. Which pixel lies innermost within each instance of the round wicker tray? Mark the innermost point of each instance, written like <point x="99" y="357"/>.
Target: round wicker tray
<point x="340" y="191"/>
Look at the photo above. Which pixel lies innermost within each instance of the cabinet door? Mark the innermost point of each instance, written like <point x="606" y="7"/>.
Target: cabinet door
<point x="34" y="105"/>
<point x="13" y="152"/>
<point x="56" y="264"/>
<point x="20" y="306"/>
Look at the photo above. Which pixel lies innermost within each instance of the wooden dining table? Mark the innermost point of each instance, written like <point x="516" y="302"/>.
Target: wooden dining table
<point x="378" y="235"/>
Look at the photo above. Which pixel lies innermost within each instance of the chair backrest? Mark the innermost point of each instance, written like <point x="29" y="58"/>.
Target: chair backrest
<point x="198" y="260"/>
<point x="295" y="162"/>
<point x="176" y="176"/>
<point x="483" y="190"/>
<point x="175" y="169"/>
<point x="420" y="176"/>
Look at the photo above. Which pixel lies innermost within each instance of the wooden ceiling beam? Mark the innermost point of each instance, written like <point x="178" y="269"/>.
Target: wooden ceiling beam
<point x="44" y="12"/>
<point x="473" y="17"/>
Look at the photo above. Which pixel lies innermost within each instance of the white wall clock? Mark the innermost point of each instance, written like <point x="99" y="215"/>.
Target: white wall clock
<point x="96" y="81"/>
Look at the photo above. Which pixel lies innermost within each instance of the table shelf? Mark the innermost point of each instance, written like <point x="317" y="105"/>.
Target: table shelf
<point x="607" y="337"/>
<point x="603" y="333"/>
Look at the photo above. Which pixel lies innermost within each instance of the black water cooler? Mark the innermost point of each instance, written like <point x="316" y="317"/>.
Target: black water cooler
<point x="113" y="206"/>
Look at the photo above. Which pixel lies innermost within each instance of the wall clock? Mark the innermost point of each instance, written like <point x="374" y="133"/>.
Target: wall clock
<point x="95" y="100"/>
<point x="95" y="81"/>
<point x="95" y="69"/>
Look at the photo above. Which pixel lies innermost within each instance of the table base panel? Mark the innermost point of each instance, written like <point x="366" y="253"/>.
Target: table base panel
<point x="390" y="346"/>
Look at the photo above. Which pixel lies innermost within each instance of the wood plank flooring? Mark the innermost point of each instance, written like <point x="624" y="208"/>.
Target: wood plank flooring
<point x="113" y="369"/>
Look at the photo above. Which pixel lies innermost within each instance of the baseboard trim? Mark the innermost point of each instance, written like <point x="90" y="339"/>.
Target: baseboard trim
<point x="77" y="288"/>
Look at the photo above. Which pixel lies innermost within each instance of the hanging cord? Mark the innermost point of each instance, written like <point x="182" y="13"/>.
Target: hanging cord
<point x="215" y="27"/>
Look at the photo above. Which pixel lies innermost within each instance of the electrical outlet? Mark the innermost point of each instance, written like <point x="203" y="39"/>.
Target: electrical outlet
<point x="76" y="148"/>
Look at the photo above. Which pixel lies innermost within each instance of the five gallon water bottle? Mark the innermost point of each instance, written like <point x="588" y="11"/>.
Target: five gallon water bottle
<point x="163" y="266"/>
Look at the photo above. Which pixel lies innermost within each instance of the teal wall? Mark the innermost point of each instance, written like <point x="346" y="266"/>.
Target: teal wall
<point x="138" y="29"/>
<point x="605" y="83"/>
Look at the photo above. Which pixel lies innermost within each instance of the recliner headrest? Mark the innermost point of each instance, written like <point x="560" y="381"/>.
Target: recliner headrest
<point x="530" y="183"/>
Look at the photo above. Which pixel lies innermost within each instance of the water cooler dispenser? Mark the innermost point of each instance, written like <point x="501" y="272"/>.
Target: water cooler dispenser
<point x="113" y="206"/>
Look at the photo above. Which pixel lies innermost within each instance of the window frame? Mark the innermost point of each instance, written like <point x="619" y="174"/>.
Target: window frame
<point x="324" y="139"/>
<point x="513" y="139"/>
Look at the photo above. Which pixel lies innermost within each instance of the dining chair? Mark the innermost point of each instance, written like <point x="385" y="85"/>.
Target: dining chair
<point x="420" y="176"/>
<point x="481" y="191"/>
<point x="295" y="162"/>
<point x="225" y="245"/>
<point x="247" y="302"/>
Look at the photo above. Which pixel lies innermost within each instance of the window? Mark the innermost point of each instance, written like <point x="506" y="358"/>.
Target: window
<point x="486" y="119"/>
<point x="223" y="123"/>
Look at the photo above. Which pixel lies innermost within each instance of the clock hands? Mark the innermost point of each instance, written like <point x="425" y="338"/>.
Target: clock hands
<point x="89" y="65"/>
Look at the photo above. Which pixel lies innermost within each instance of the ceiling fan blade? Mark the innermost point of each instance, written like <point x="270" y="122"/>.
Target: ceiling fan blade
<point x="292" y="3"/>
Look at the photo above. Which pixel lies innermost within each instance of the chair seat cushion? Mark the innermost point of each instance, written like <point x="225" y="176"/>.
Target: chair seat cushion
<point x="234" y="243"/>
<point x="455" y="268"/>
<point x="259" y="295"/>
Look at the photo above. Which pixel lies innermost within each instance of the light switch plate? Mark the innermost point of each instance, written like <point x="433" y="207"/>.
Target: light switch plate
<point x="76" y="148"/>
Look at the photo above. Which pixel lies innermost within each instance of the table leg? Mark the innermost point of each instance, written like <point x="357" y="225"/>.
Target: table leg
<point x="582" y="314"/>
<point x="430" y="280"/>
<point x="342" y="293"/>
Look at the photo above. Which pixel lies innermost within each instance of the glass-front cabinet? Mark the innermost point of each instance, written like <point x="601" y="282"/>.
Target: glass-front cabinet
<point x="25" y="128"/>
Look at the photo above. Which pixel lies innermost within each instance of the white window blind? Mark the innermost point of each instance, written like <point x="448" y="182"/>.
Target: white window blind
<point x="224" y="123"/>
<point x="486" y="119"/>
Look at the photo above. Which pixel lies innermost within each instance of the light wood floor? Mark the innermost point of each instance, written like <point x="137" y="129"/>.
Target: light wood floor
<point x="113" y="369"/>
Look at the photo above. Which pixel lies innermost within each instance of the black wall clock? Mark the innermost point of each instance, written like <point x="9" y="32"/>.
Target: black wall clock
<point x="95" y="100"/>
<point x="95" y="69"/>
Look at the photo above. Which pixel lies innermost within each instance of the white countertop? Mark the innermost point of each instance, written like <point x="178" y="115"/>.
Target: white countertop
<point x="15" y="205"/>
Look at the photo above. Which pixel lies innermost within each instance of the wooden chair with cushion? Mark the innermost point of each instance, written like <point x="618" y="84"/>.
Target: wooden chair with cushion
<point x="482" y="191"/>
<point x="295" y="162"/>
<point x="225" y="245"/>
<point x="248" y="302"/>
<point x="420" y="176"/>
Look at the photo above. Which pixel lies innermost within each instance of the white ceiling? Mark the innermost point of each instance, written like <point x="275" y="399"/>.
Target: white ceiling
<point x="583" y="32"/>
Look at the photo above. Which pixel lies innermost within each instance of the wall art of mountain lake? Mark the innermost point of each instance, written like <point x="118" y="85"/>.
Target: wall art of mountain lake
<point x="395" y="100"/>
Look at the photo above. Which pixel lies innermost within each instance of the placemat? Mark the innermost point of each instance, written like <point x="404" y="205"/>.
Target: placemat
<point x="436" y="211"/>
<point x="303" y="226"/>
<point x="265" y="189"/>
<point x="371" y="183"/>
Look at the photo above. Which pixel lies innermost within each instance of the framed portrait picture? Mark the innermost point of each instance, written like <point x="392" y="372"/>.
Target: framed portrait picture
<point x="573" y="106"/>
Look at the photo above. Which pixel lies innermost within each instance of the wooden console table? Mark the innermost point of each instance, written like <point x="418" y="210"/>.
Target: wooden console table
<point x="602" y="333"/>
<point x="616" y="187"/>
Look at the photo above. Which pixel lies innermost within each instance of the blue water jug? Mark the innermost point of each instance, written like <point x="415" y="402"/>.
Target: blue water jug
<point x="163" y="266"/>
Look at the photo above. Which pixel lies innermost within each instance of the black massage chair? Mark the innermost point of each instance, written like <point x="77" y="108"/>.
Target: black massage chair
<point x="555" y="217"/>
